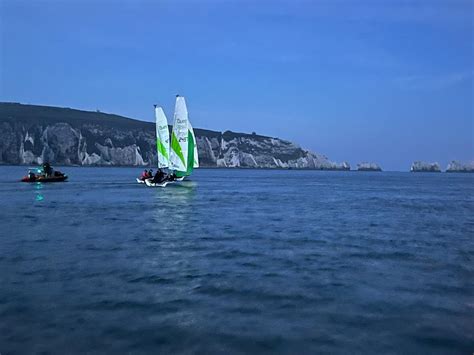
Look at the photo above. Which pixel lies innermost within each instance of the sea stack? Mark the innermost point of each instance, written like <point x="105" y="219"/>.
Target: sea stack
<point x="458" y="167"/>
<point x="341" y="166"/>
<point x="364" y="166"/>
<point x="420" y="166"/>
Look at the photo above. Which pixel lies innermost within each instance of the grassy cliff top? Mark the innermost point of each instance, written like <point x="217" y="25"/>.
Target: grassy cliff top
<point x="46" y="115"/>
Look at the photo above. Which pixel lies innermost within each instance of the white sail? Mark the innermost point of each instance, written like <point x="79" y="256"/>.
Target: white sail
<point x="162" y="138"/>
<point x="196" y="158"/>
<point x="179" y="137"/>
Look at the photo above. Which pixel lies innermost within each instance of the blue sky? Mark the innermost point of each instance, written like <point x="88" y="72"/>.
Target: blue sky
<point x="384" y="81"/>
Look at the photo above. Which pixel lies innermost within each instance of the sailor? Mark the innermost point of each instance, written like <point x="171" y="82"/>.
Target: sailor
<point x="159" y="177"/>
<point x="150" y="173"/>
<point x="47" y="169"/>
<point x="171" y="177"/>
<point x="145" y="175"/>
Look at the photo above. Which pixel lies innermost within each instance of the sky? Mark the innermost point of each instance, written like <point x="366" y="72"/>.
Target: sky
<point x="356" y="80"/>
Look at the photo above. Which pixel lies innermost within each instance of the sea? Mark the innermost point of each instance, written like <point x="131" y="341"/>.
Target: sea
<point x="237" y="262"/>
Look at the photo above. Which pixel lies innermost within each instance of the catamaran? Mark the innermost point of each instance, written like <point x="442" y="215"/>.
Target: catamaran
<point x="180" y="154"/>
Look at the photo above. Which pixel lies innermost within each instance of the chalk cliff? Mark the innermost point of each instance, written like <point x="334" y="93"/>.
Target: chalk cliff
<point x="458" y="167"/>
<point x="368" y="167"/>
<point x="32" y="134"/>
<point x="420" y="166"/>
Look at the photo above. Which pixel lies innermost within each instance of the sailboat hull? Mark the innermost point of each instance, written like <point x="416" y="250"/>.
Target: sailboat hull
<point x="151" y="184"/>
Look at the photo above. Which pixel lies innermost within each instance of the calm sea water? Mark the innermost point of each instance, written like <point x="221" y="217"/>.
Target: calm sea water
<point x="237" y="261"/>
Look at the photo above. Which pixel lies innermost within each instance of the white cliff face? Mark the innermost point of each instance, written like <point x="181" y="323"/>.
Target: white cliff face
<point x="29" y="138"/>
<point x="420" y="166"/>
<point x="129" y="155"/>
<point x="458" y="167"/>
<point x="368" y="167"/>
<point x="88" y="138"/>
<point x="93" y="159"/>
<point x="27" y="157"/>
<point x="252" y="151"/>
<point x="61" y="143"/>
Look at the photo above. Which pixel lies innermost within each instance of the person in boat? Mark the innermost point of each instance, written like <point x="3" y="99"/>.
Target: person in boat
<point x="150" y="173"/>
<point x="159" y="177"/>
<point x="171" y="177"/>
<point x="145" y="175"/>
<point x="31" y="176"/>
<point x="48" y="170"/>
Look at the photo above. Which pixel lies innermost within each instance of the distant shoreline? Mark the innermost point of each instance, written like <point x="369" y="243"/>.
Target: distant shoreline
<point x="245" y="168"/>
<point x="154" y="167"/>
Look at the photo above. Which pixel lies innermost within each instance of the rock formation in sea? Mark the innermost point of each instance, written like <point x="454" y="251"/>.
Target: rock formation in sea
<point x="420" y="166"/>
<point x="368" y="167"/>
<point x="458" y="167"/>
<point x="35" y="134"/>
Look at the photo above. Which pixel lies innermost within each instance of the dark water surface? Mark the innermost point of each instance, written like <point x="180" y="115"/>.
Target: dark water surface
<point x="237" y="261"/>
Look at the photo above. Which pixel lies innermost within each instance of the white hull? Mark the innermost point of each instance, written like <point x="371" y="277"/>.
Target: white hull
<point x="140" y="181"/>
<point x="151" y="184"/>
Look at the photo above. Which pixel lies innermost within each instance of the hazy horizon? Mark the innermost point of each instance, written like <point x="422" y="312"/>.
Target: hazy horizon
<point x="357" y="81"/>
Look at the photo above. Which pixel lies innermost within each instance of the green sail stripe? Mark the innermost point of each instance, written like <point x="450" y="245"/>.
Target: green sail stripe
<point x="189" y="170"/>
<point x="177" y="148"/>
<point x="161" y="148"/>
<point x="190" y="153"/>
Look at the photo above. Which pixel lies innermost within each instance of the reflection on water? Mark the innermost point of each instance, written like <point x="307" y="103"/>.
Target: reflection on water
<point x="172" y="224"/>
<point x="183" y="192"/>
<point x="38" y="187"/>
<point x="172" y="218"/>
<point x="173" y="203"/>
